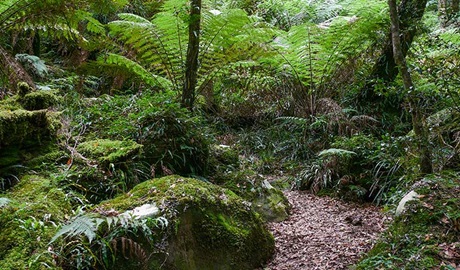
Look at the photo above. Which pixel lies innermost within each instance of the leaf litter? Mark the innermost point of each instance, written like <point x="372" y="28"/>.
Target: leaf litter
<point x="324" y="233"/>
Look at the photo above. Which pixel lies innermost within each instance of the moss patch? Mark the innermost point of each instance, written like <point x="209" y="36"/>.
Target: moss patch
<point x="210" y="227"/>
<point x="28" y="222"/>
<point x="109" y="151"/>
<point x="39" y="100"/>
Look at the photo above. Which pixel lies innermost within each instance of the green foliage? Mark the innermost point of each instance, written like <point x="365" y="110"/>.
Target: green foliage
<point x="424" y="235"/>
<point x="82" y="225"/>
<point x="33" y="65"/>
<point x="328" y="56"/>
<point x="336" y="152"/>
<point x="228" y="37"/>
<point x="285" y="14"/>
<point x="172" y="138"/>
<point x="28" y="222"/>
<point x="95" y="240"/>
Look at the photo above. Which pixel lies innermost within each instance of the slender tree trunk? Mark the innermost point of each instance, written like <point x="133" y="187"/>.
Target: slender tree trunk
<point x="418" y="121"/>
<point x="385" y="69"/>
<point x="191" y="65"/>
<point x="442" y="12"/>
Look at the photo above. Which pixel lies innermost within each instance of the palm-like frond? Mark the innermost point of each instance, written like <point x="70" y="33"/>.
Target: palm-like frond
<point x="316" y="52"/>
<point x="133" y="67"/>
<point x="229" y="37"/>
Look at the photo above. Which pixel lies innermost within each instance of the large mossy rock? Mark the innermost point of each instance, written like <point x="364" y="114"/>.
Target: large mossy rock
<point x="21" y="127"/>
<point x="209" y="227"/>
<point x="26" y="134"/>
<point x="109" y="151"/>
<point x="28" y="217"/>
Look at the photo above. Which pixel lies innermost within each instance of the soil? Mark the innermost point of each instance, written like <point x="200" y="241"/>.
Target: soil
<point x="324" y="233"/>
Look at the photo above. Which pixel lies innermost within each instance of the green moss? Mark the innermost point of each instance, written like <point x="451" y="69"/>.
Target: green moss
<point x="39" y="100"/>
<point x="21" y="127"/>
<point x="23" y="88"/>
<point x="28" y="222"/>
<point x="272" y="205"/>
<point x="109" y="151"/>
<point x="210" y="227"/>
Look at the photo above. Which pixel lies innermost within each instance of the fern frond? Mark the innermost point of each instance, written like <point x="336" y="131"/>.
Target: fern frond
<point x="4" y="202"/>
<point x="135" y="69"/>
<point x="82" y="225"/>
<point x="336" y="152"/>
<point x="365" y="119"/>
<point x="293" y="120"/>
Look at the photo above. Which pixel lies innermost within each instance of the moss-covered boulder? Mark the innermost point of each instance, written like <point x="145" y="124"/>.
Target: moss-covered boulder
<point x="109" y="151"/>
<point x="24" y="135"/>
<point x="223" y="159"/>
<point x="271" y="203"/>
<point x="209" y="227"/>
<point x="21" y="127"/>
<point x="39" y="100"/>
<point x="28" y="217"/>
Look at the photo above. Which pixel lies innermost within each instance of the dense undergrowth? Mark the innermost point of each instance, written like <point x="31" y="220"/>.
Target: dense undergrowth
<point x="105" y="116"/>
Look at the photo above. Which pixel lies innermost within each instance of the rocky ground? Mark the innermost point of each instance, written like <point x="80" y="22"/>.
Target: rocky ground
<point x="324" y="233"/>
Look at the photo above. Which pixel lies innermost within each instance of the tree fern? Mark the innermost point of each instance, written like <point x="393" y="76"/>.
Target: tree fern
<point x="323" y="57"/>
<point x="228" y="37"/>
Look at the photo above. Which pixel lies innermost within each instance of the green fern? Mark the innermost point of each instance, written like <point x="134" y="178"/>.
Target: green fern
<point x="86" y="225"/>
<point x="132" y="67"/>
<point x="229" y="38"/>
<point x="4" y="202"/>
<point x="318" y="53"/>
<point x="336" y="152"/>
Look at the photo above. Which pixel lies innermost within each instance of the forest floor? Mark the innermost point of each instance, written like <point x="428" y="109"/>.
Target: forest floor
<point x="324" y="233"/>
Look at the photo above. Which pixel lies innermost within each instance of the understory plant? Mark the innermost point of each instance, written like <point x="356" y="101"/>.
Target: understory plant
<point x="95" y="241"/>
<point x="173" y="139"/>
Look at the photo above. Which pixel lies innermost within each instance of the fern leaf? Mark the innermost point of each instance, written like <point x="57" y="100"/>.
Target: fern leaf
<point x="133" y="18"/>
<point x="336" y="152"/>
<point x="82" y="225"/>
<point x="141" y="72"/>
<point x="4" y="202"/>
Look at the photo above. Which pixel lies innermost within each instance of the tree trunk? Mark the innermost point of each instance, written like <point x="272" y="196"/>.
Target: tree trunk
<point x="13" y="70"/>
<point x="455" y="6"/>
<point x="442" y="12"/>
<point x="385" y="69"/>
<point x="418" y="121"/>
<point x="193" y="48"/>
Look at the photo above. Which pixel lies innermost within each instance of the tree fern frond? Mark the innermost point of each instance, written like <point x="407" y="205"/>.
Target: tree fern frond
<point x="133" y="18"/>
<point x="138" y="70"/>
<point x="363" y="119"/>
